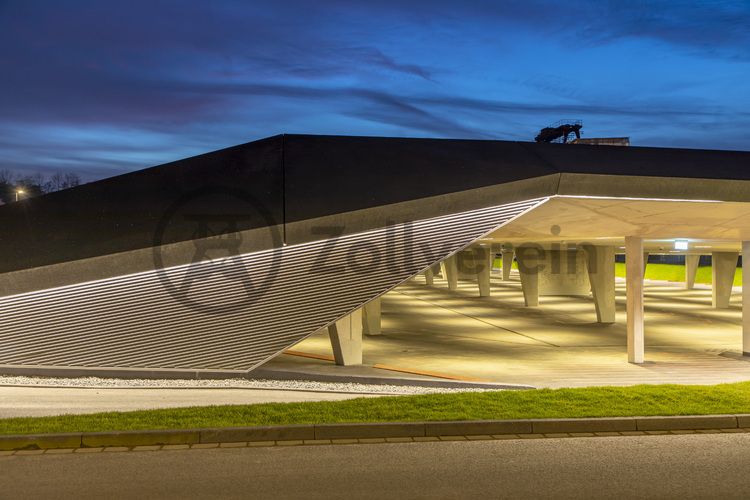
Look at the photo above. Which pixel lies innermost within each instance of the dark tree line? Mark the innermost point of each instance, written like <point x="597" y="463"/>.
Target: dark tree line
<point x="29" y="186"/>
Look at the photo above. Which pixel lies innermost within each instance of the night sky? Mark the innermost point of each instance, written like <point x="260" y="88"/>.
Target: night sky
<point x="104" y="87"/>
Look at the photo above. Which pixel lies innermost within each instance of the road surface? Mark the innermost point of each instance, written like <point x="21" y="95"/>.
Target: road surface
<point x="685" y="466"/>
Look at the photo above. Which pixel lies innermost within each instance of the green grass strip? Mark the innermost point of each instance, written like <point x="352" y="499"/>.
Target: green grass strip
<point x="676" y="272"/>
<point x="642" y="400"/>
<point x="665" y="272"/>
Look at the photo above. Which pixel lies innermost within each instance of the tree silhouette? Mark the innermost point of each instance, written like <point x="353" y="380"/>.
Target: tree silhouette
<point x="33" y="185"/>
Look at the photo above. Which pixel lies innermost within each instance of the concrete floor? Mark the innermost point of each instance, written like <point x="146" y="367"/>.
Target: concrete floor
<point x="558" y="344"/>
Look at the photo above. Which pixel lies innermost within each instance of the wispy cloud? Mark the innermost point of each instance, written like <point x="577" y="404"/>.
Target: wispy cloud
<point x="105" y="87"/>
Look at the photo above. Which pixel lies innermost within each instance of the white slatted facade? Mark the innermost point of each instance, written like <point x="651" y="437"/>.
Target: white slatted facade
<point x="132" y="322"/>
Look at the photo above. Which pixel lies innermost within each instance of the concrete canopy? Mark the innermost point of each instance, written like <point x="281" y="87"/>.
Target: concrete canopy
<point x="80" y="287"/>
<point x="359" y="181"/>
<point x="707" y="225"/>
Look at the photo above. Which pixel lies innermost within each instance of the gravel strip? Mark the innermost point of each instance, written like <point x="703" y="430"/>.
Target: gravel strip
<point x="284" y="385"/>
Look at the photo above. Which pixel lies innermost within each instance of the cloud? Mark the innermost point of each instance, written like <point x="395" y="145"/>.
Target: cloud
<point x="717" y="28"/>
<point x="104" y="87"/>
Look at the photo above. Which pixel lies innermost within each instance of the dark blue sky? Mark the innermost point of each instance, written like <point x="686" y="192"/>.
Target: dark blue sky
<point x="102" y="87"/>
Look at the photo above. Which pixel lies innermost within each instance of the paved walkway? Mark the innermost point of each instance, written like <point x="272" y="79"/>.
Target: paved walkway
<point x="40" y="401"/>
<point x="558" y="344"/>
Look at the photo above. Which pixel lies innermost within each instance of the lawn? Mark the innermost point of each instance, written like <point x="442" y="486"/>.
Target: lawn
<point x="640" y="400"/>
<point x="676" y="272"/>
<point x="665" y="272"/>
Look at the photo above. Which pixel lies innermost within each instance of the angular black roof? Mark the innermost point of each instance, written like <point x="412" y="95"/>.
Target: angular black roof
<point x="300" y="177"/>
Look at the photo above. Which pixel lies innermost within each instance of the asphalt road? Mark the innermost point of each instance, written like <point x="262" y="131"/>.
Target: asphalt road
<point x="687" y="466"/>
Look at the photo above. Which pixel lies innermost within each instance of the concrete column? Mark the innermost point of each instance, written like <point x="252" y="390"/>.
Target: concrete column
<point x="634" y="270"/>
<point x="436" y="269"/>
<point x="465" y="265"/>
<point x="371" y="317"/>
<point x="507" y="264"/>
<point x="429" y="276"/>
<point x="723" y="267"/>
<point x="528" y="268"/>
<point x="346" y="339"/>
<point x="601" y="269"/>
<point x="691" y="268"/>
<point x="483" y="269"/>
<point x="746" y="299"/>
<point x="450" y="272"/>
<point x="563" y="272"/>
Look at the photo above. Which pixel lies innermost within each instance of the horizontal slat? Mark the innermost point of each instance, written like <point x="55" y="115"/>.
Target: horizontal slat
<point x="133" y="322"/>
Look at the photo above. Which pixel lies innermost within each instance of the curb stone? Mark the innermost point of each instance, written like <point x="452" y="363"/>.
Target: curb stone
<point x="41" y="441"/>
<point x="354" y="431"/>
<point x="374" y="430"/>
<point x="692" y="422"/>
<point x="267" y="433"/>
<point x="138" y="438"/>
<point x="614" y="424"/>
<point x="478" y="427"/>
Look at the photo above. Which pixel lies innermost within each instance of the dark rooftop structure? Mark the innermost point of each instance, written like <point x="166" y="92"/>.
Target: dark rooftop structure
<point x="300" y="177"/>
<point x="120" y="276"/>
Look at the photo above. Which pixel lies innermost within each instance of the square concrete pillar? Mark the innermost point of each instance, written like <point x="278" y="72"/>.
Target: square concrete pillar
<point x="634" y="270"/>
<point x="483" y="269"/>
<point x="563" y="272"/>
<point x="723" y="267"/>
<point x="436" y="271"/>
<point x="746" y="299"/>
<point x="691" y="268"/>
<point x="529" y="260"/>
<point x="465" y="265"/>
<point x="601" y="269"/>
<point x="371" y="317"/>
<point x="346" y="339"/>
<point x="507" y="258"/>
<point x="429" y="276"/>
<point x="450" y="272"/>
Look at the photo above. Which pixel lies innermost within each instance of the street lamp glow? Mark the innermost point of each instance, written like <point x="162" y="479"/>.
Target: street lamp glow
<point x="19" y="192"/>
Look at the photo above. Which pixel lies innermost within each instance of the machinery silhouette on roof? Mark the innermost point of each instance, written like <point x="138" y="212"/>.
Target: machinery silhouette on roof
<point x="560" y="131"/>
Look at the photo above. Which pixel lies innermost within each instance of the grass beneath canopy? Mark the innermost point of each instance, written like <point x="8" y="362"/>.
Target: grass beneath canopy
<point x="639" y="400"/>
<point x="665" y="272"/>
<point x="676" y="272"/>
